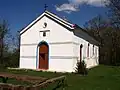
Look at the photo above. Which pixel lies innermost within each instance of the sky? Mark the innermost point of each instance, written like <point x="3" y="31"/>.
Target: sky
<point x="19" y="13"/>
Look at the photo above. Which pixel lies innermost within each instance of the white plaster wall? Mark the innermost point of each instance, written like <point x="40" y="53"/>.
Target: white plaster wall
<point x="58" y="54"/>
<point x="28" y="50"/>
<point x="28" y="56"/>
<point x="57" y="34"/>
<point x="61" y="65"/>
<point x="28" y="63"/>
<point x="61" y="50"/>
<point x="76" y="49"/>
<point x="90" y="61"/>
<point x="80" y="41"/>
<point x="93" y="60"/>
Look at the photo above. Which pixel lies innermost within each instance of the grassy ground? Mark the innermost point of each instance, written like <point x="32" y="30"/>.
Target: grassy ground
<point x="99" y="78"/>
<point x="16" y="82"/>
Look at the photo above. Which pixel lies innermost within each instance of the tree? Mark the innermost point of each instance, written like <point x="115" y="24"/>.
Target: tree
<point x="114" y="16"/>
<point x="3" y="32"/>
<point x="114" y="12"/>
<point x="96" y="26"/>
<point x="16" y="52"/>
<point x="109" y="39"/>
<point x="96" y="23"/>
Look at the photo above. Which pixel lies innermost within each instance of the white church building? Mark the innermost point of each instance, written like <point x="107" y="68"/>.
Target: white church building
<point x="54" y="44"/>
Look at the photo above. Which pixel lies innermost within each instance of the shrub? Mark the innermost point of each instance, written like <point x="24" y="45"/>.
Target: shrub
<point x="81" y="68"/>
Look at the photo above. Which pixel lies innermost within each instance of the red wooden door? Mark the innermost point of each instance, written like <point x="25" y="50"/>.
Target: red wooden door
<point x="43" y="56"/>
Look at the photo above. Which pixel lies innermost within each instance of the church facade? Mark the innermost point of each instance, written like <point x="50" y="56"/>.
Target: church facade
<point x="53" y="44"/>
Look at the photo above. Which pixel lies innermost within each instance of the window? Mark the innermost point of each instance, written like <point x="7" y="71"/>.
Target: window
<point x="44" y="34"/>
<point x="81" y="52"/>
<point x="93" y="49"/>
<point x="88" y="50"/>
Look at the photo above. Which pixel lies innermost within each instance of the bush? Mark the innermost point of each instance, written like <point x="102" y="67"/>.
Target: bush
<point x="81" y="68"/>
<point x="10" y="60"/>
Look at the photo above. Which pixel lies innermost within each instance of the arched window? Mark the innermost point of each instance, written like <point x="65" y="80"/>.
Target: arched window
<point x="44" y="34"/>
<point x="93" y="50"/>
<point x="81" y="46"/>
<point x="88" y="50"/>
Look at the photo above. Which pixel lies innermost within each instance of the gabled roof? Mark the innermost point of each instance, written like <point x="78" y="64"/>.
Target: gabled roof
<point x="58" y="20"/>
<point x="91" y="39"/>
<point x="51" y="16"/>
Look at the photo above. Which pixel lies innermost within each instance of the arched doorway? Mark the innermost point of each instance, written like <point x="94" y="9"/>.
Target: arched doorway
<point x="43" y="55"/>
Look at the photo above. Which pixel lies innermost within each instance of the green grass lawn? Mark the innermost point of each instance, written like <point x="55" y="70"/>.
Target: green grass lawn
<point x="98" y="78"/>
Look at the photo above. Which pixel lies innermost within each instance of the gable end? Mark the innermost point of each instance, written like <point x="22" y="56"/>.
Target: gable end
<point x="52" y="17"/>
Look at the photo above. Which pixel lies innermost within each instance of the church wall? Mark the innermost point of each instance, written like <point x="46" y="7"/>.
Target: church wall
<point x="28" y="63"/>
<point x="91" y="60"/>
<point x="60" y="44"/>
<point x="28" y="56"/>
<point x="64" y="47"/>
<point x="61" y="65"/>
<point x="57" y="32"/>
<point x="28" y="50"/>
